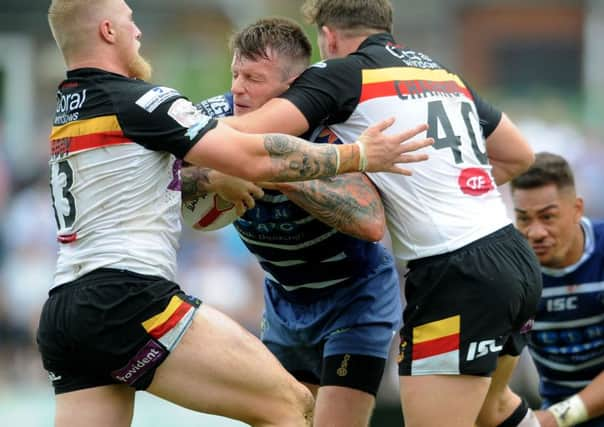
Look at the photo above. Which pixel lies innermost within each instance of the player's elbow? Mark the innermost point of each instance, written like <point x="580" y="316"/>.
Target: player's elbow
<point x="525" y="158"/>
<point x="371" y="230"/>
<point x="376" y="234"/>
<point x="528" y="159"/>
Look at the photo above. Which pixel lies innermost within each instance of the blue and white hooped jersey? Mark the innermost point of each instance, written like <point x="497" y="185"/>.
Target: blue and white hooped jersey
<point x="567" y="339"/>
<point x="298" y="252"/>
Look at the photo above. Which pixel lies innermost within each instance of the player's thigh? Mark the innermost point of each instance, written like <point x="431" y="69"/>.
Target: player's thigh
<point x="105" y="406"/>
<point x="442" y="400"/>
<point x="343" y="407"/>
<point x="221" y="368"/>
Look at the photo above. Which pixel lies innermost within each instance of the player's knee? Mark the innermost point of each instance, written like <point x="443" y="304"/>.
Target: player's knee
<point x="497" y="407"/>
<point x="522" y="416"/>
<point x="307" y="406"/>
<point x="298" y="408"/>
<point x="287" y="403"/>
<point x="306" y="402"/>
<point x="497" y="414"/>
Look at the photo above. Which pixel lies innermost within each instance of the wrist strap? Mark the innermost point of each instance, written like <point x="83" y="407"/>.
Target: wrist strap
<point x="569" y="412"/>
<point x="362" y="157"/>
<point x="337" y="159"/>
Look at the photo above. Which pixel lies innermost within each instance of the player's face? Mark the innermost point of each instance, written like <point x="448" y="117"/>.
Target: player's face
<point x="548" y="218"/>
<point x="254" y="82"/>
<point x="128" y="42"/>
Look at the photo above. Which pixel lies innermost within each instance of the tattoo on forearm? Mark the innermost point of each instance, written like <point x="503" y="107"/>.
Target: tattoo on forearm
<point x="195" y="181"/>
<point x="341" y="202"/>
<point x="294" y="159"/>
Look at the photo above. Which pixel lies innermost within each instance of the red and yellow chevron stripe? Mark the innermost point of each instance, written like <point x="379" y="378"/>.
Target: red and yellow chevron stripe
<point x="397" y="81"/>
<point x="436" y="346"/>
<point x="168" y="326"/>
<point x="87" y="134"/>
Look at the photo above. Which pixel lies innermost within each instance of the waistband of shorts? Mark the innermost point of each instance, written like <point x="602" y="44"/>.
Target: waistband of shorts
<point x="99" y="275"/>
<point x="303" y="295"/>
<point x="506" y="231"/>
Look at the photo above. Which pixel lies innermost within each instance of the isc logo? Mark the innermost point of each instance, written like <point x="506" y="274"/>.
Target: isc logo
<point x="562" y="303"/>
<point x="482" y="348"/>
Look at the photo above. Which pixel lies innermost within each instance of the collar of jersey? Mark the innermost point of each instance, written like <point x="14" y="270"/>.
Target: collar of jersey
<point x="379" y="38"/>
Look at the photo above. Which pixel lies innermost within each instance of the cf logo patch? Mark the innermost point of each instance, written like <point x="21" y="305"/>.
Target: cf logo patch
<point x="475" y="182"/>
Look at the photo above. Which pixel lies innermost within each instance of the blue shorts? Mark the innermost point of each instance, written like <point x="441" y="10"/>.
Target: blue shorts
<point x="359" y="319"/>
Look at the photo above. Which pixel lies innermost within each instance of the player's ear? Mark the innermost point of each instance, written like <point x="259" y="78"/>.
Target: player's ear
<point x="107" y="32"/>
<point x="579" y="209"/>
<point x="331" y="40"/>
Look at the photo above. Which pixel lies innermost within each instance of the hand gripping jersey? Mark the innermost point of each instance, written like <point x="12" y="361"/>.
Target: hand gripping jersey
<point x="297" y="251"/>
<point x="114" y="173"/>
<point x="451" y="200"/>
<point x="567" y="339"/>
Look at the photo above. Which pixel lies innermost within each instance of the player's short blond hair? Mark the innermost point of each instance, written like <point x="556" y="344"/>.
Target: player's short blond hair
<point x="71" y="21"/>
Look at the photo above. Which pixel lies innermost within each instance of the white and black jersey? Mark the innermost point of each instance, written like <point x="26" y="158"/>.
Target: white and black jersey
<point x="451" y="200"/>
<point x="115" y="173"/>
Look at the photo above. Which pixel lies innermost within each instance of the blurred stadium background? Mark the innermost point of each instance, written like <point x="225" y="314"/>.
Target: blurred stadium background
<point x="540" y="61"/>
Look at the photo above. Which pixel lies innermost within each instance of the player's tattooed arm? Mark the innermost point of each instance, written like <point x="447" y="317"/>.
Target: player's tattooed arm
<point x="195" y="182"/>
<point x="279" y="157"/>
<point x="291" y="159"/>
<point x="351" y="204"/>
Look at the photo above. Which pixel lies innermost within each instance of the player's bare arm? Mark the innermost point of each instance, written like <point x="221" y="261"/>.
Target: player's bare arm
<point x="509" y="152"/>
<point x="590" y="398"/>
<point x="351" y="204"/>
<point x="199" y="181"/>
<point x="278" y="157"/>
<point x="195" y="182"/>
<point x="276" y="115"/>
<point x="291" y="159"/>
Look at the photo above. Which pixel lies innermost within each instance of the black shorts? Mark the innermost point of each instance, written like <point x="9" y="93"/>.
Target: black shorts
<point x="466" y="307"/>
<point x="111" y="327"/>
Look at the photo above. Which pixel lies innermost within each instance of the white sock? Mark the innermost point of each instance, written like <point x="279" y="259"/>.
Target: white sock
<point x="529" y="420"/>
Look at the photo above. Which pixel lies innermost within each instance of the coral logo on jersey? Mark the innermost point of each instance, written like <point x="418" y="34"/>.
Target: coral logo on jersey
<point x="475" y="182"/>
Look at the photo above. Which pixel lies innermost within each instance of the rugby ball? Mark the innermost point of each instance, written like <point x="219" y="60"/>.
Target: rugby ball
<point x="208" y="213"/>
